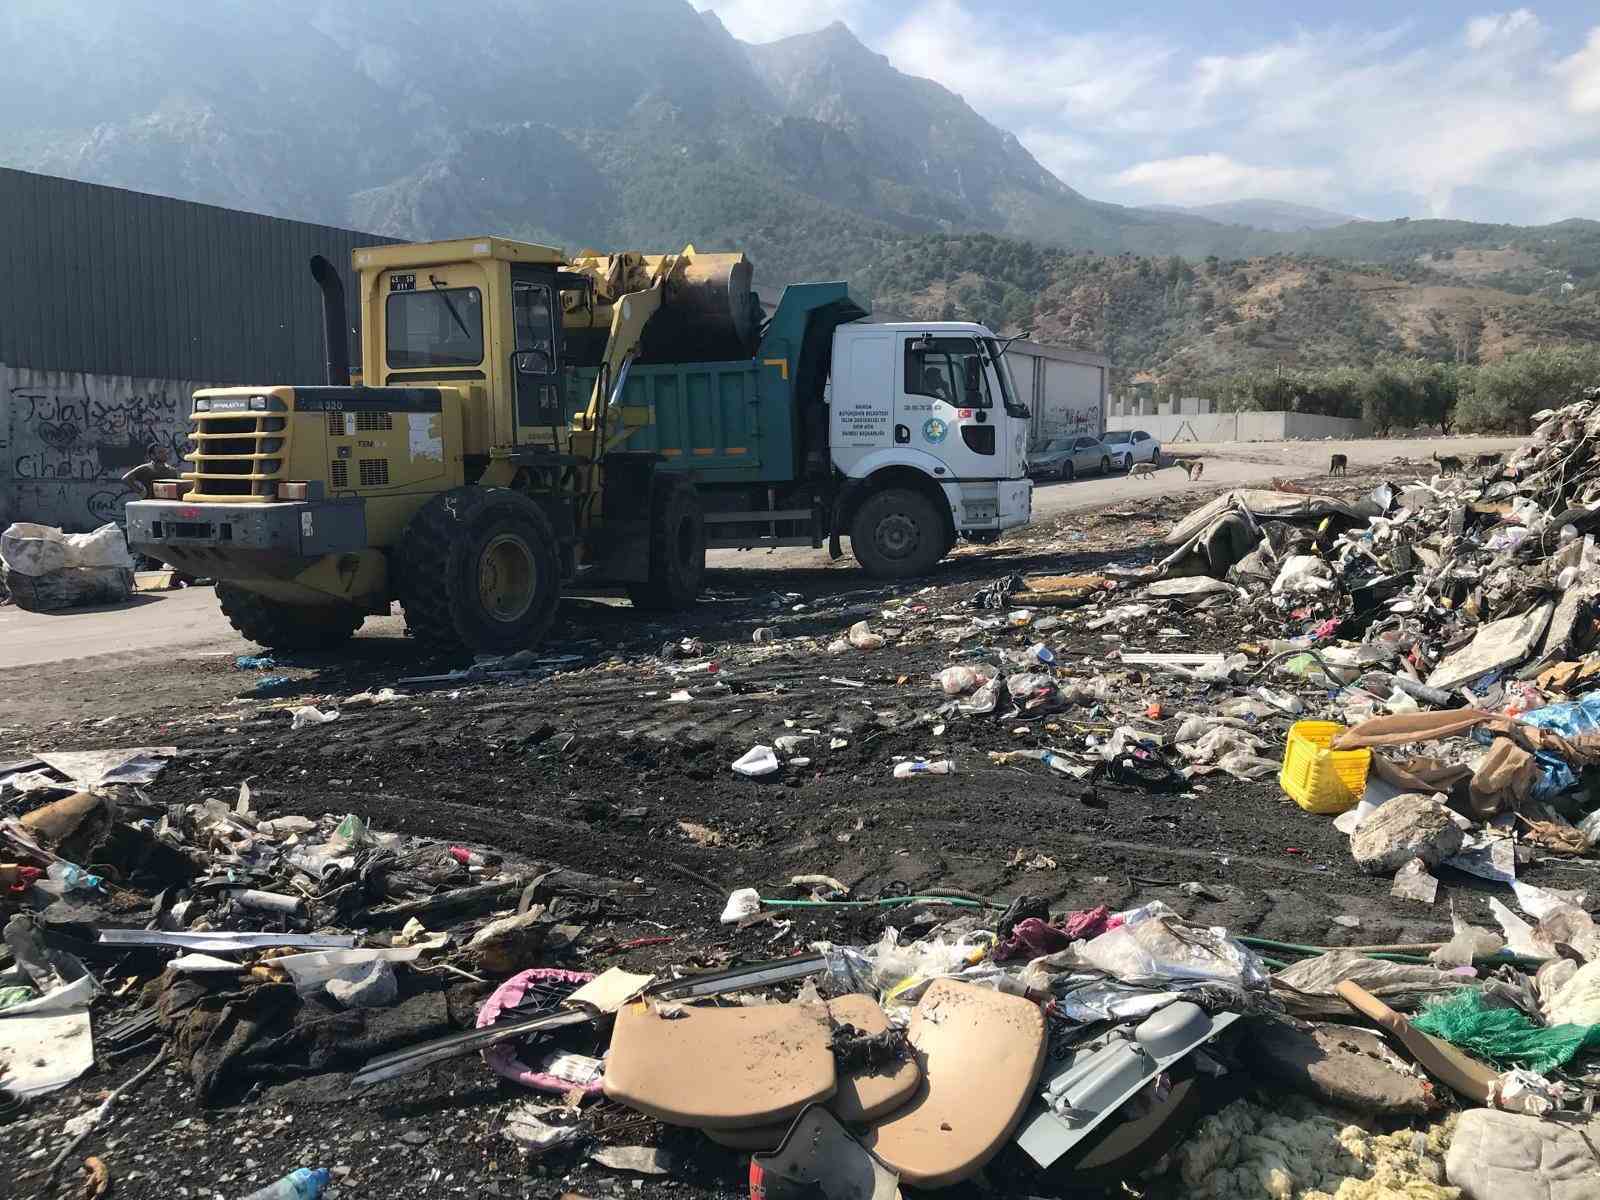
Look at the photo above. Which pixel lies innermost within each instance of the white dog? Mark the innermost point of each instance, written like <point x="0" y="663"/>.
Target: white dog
<point x="1141" y="469"/>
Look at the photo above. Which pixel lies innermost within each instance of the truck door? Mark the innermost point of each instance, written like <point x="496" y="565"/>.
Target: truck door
<point x="534" y="363"/>
<point x="945" y="405"/>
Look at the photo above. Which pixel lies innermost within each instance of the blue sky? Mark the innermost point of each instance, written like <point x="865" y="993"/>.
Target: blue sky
<point x="1376" y="109"/>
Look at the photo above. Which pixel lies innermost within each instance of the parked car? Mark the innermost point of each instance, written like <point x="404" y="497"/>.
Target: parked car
<point x="1129" y="446"/>
<point x="1063" y="458"/>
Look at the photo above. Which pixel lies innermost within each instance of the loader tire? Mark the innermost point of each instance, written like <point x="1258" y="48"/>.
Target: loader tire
<point x="480" y="568"/>
<point x="677" y="549"/>
<point x="898" y="534"/>
<point x="279" y="626"/>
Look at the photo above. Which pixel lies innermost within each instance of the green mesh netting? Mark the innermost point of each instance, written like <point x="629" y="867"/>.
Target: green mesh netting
<point x="1504" y="1036"/>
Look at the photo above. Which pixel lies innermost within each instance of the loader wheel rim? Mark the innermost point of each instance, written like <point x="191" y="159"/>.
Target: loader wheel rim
<point x="896" y="536"/>
<point x="508" y="578"/>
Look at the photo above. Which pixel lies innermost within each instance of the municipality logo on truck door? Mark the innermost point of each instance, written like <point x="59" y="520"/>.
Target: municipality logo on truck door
<point x="934" y="430"/>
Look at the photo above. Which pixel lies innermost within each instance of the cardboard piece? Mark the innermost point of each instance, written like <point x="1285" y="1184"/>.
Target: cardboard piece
<point x="980" y="1052"/>
<point x="721" y="1068"/>
<point x="609" y="990"/>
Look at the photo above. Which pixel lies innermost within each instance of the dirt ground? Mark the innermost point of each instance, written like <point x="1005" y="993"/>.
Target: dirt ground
<point x="587" y="764"/>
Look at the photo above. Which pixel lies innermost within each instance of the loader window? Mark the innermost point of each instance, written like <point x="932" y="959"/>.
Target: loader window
<point x="439" y="328"/>
<point x="937" y="367"/>
<point x="530" y="309"/>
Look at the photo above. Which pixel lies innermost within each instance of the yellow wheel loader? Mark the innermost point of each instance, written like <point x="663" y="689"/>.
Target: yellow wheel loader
<point x="462" y="481"/>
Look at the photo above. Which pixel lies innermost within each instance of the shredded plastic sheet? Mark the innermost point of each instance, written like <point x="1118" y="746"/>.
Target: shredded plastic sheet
<point x="1579" y="718"/>
<point x="1297" y="1150"/>
<point x="1308" y="987"/>
<point x="1154" y="947"/>
<point x="1504" y="1036"/>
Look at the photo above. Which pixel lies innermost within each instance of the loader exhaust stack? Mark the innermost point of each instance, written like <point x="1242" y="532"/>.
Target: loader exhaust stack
<point x="335" y="321"/>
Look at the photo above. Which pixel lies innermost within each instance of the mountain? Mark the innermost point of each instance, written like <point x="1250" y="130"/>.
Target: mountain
<point x="1274" y="216"/>
<point x="646" y="124"/>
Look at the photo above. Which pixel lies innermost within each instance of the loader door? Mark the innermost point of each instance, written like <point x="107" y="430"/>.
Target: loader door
<point x="535" y="364"/>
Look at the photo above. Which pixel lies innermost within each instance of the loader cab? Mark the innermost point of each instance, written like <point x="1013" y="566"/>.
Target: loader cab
<point x="482" y="315"/>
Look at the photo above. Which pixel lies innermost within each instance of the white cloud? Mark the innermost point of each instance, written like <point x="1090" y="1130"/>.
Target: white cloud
<point x="1518" y="27"/>
<point x="769" y="20"/>
<point x="1498" y="115"/>
<point x="1582" y="75"/>
<point x="1199" y="178"/>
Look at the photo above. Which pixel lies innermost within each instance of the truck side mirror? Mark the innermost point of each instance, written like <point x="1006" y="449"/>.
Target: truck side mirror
<point x="974" y="379"/>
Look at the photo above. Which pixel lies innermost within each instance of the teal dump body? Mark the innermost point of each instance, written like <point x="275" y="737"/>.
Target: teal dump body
<point x="733" y="422"/>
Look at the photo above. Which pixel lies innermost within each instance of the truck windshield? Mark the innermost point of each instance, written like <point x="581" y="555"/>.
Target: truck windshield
<point x="440" y="328"/>
<point x="1008" y="386"/>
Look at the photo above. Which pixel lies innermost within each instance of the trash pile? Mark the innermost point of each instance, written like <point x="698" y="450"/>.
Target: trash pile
<point x="44" y="569"/>
<point x="1412" y="675"/>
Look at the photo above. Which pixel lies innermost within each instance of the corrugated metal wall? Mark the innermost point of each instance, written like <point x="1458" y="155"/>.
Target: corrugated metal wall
<point x="113" y="282"/>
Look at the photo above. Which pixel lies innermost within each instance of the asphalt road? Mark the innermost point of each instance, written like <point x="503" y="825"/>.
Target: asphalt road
<point x="189" y="620"/>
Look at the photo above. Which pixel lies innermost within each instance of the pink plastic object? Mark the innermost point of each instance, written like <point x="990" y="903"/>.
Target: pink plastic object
<point x="502" y="1059"/>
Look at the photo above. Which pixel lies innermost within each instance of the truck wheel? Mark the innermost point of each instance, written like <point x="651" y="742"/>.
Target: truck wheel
<point x="897" y="534"/>
<point x="280" y="626"/>
<point x="677" y="549"/>
<point x="479" y="567"/>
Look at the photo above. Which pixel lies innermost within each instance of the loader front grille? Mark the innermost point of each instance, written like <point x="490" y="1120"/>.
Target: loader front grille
<point x="238" y="455"/>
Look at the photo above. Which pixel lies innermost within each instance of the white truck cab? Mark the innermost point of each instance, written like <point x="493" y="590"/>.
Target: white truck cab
<point x="930" y="406"/>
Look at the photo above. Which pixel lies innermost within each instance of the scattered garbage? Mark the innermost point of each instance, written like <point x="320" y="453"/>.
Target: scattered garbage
<point x="45" y="570"/>
<point x="1304" y="690"/>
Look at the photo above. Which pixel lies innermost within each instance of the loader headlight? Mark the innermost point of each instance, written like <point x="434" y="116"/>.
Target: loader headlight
<point x="291" y="491"/>
<point x="258" y="404"/>
<point x="166" y="489"/>
<point x="202" y="405"/>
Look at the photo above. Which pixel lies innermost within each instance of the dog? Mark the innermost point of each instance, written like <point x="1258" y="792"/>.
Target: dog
<point x="1141" y="469"/>
<point x="1192" y="467"/>
<point x="1448" y="465"/>
<point x="1339" y="464"/>
<point x="1488" y="462"/>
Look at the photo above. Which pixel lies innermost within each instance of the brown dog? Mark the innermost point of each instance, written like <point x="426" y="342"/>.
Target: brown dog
<point x="1488" y="462"/>
<point x="1448" y="465"/>
<point x="1192" y="467"/>
<point x="1339" y="464"/>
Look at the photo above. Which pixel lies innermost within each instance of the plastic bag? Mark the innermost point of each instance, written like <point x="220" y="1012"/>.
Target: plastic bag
<point x="310" y="714"/>
<point x="1155" y="946"/>
<point x="962" y="678"/>
<point x="1303" y="573"/>
<point x="985" y="700"/>
<point x="1577" y="718"/>
<point x="745" y="902"/>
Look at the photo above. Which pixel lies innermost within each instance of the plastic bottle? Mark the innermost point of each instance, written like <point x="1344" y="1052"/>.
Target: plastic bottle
<point x="1056" y="763"/>
<point x="73" y="877"/>
<point x="941" y="766"/>
<point x="306" y="1183"/>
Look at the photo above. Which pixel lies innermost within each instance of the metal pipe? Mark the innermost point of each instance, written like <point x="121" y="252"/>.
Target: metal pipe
<point x="335" y="321"/>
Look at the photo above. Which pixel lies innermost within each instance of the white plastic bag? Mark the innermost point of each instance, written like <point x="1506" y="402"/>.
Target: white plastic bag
<point x="862" y="637"/>
<point x="1303" y="573"/>
<point x="962" y="678"/>
<point x="745" y="902"/>
<point x="310" y="714"/>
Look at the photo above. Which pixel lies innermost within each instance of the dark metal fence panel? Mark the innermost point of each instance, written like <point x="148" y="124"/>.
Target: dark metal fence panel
<point x="113" y="282"/>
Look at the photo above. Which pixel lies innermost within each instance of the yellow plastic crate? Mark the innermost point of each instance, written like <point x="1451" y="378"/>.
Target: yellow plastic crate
<point x="1318" y="779"/>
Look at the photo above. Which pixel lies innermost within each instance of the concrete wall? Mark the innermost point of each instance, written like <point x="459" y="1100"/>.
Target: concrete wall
<point x="1173" y="428"/>
<point x="66" y="438"/>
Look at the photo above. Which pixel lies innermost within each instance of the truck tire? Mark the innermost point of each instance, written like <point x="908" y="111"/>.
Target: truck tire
<point x="479" y="567"/>
<point x="677" y="549"/>
<point x="280" y="626"/>
<point x="897" y="534"/>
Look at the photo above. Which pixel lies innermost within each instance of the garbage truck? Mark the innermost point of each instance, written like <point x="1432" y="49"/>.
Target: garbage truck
<point x="525" y="422"/>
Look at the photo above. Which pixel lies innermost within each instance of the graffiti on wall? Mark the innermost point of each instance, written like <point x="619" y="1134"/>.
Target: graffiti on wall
<point x="69" y="439"/>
